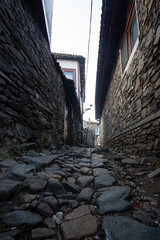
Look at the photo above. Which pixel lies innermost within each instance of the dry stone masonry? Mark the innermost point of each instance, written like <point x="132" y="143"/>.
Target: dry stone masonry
<point x="131" y="115"/>
<point x="31" y="89"/>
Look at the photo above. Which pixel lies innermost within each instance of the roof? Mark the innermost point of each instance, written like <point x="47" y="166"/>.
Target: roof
<point x="69" y="89"/>
<point x="112" y="27"/>
<point x="81" y="61"/>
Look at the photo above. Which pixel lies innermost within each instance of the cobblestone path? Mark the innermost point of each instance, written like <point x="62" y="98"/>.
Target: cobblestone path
<point x="79" y="193"/>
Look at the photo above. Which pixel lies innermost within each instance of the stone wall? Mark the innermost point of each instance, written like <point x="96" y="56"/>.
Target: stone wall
<point x="131" y="113"/>
<point x="31" y="88"/>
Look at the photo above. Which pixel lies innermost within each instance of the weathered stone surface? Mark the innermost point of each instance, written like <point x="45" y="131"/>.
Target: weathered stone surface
<point x="42" y="233"/>
<point x="113" y="199"/>
<point x="123" y="228"/>
<point x="24" y="131"/>
<point x="19" y="217"/>
<point x="155" y="173"/>
<point x="7" y="187"/>
<point x="35" y="184"/>
<point x="50" y="222"/>
<point x="12" y="234"/>
<point x="43" y="208"/>
<point x="55" y="187"/>
<point x="85" y="170"/>
<point x="19" y="171"/>
<point x="85" y="160"/>
<point x="143" y="217"/>
<point x="79" y="224"/>
<point x="56" y="171"/>
<point x="72" y="204"/>
<point x="78" y="212"/>
<point x="6" y="238"/>
<point x="85" y="195"/>
<point x="71" y="187"/>
<point x="104" y="181"/>
<point x="71" y="180"/>
<point x="84" y="164"/>
<point x="129" y="161"/>
<point x="39" y="162"/>
<point x="32" y="153"/>
<point x="7" y="163"/>
<point x="51" y="201"/>
<point x="84" y="181"/>
<point x="97" y="162"/>
<point x="29" y="198"/>
<point x="99" y="172"/>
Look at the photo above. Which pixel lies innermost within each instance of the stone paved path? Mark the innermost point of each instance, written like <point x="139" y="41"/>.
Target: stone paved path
<point x="76" y="193"/>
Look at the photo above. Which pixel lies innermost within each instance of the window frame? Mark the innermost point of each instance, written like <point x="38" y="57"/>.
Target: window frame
<point x="70" y="70"/>
<point x="127" y="34"/>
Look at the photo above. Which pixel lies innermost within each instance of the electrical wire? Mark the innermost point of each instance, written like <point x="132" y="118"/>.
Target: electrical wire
<point x="89" y="39"/>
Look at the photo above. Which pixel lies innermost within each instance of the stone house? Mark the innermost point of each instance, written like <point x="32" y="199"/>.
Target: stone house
<point x="32" y="86"/>
<point x="73" y="67"/>
<point x="91" y="133"/>
<point x="128" y="83"/>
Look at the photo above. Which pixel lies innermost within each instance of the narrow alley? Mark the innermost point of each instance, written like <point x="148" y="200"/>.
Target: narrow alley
<point x="79" y="193"/>
<point x="66" y="175"/>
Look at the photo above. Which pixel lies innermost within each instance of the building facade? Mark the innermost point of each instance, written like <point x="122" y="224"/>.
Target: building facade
<point x="31" y="88"/>
<point x="128" y="82"/>
<point x="73" y="68"/>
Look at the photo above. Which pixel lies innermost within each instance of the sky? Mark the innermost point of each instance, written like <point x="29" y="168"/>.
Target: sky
<point x="70" y="33"/>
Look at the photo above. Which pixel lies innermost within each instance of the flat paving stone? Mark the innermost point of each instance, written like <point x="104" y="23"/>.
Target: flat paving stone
<point x="6" y="238"/>
<point x="83" y="164"/>
<point x="78" y="212"/>
<point x="51" y="201"/>
<point x="8" y="187"/>
<point x="104" y="181"/>
<point x="40" y="162"/>
<point x="19" y="217"/>
<point x="56" y="171"/>
<point x="7" y="163"/>
<point x="122" y="228"/>
<point x="79" y="224"/>
<point x="130" y="161"/>
<point x="85" y="170"/>
<point x="85" y="160"/>
<point x="55" y="186"/>
<point x="85" y="195"/>
<point x="19" y="171"/>
<point x="99" y="172"/>
<point x="32" y="153"/>
<point x="71" y="180"/>
<point x="43" y="208"/>
<point x="71" y="187"/>
<point x="42" y="233"/>
<point x="72" y="204"/>
<point x="35" y="184"/>
<point x="113" y="199"/>
<point x="14" y="234"/>
<point x="98" y="162"/>
<point x="84" y="181"/>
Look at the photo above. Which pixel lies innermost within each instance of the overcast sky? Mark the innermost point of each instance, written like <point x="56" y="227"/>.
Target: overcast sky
<point x="70" y="32"/>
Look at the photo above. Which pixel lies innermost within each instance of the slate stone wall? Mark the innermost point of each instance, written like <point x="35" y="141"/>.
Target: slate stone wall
<point x="31" y="89"/>
<point x="131" y="113"/>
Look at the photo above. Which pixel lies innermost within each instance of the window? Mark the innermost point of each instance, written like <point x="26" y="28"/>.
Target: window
<point x="69" y="75"/>
<point x="130" y="37"/>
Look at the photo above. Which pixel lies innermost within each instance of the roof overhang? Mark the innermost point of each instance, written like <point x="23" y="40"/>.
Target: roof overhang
<point x="112" y="27"/>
